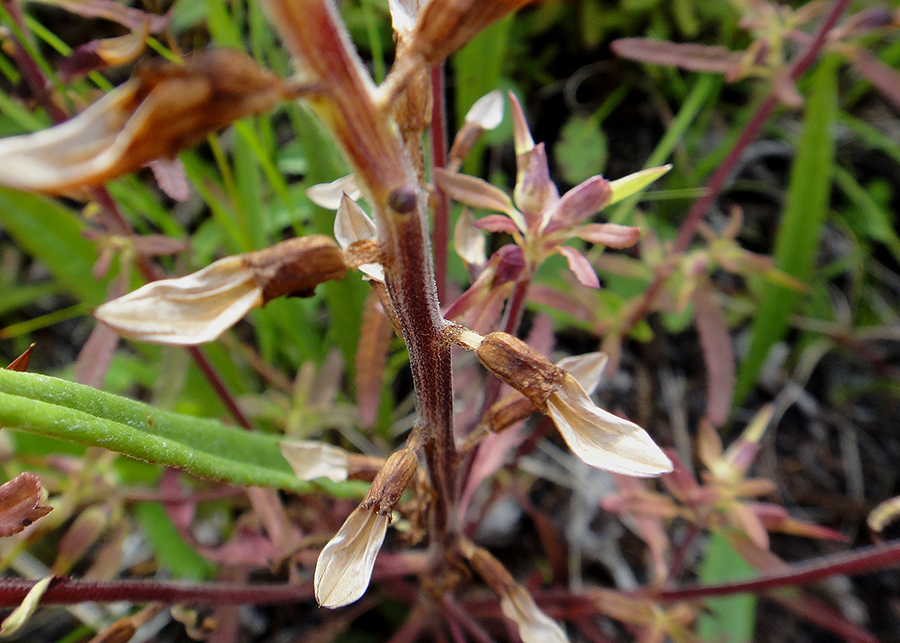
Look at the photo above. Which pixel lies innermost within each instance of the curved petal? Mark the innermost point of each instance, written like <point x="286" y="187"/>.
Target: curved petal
<point x="345" y="565"/>
<point x="534" y="625"/>
<point x="311" y="460"/>
<point x="601" y="439"/>
<point x="189" y="310"/>
<point x="580" y="266"/>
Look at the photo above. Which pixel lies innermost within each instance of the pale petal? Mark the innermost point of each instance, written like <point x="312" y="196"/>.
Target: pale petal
<point x="311" y="460"/>
<point x="634" y="183"/>
<point x="404" y="14"/>
<point x="487" y="111"/>
<point x="586" y="369"/>
<point x="534" y="625"/>
<point x="189" y="310"/>
<point x="345" y="565"/>
<point x="601" y="439"/>
<point x="352" y="224"/>
<point x="329" y="195"/>
<point x="469" y="240"/>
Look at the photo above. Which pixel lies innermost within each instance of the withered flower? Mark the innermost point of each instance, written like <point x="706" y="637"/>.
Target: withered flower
<point x="201" y="306"/>
<point x="600" y="438"/>
<point x="164" y="108"/>
<point x="345" y="565"/>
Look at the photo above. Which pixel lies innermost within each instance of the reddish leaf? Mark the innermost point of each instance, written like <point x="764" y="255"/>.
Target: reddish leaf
<point x="497" y="223"/>
<point x="717" y="354"/>
<point x="580" y="266"/>
<point x="684" y="55"/>
<point x="21" y="362"/>
<point x="885" y="79"/>
<point x="22" y="501"/>
<point x="171" y="178"/>
<point x="134" y="19"/>
<point x="371" y="357"/>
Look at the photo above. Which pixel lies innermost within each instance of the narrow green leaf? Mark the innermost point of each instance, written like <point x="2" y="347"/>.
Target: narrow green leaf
<point x="202" y="447"/>
<point x="52" y="234"/>
<point x="732" y="618"/>
<point x="806" y="206"/>
<point x="170" y="549"/>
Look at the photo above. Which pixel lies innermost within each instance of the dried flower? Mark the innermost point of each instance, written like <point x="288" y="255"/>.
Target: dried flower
<point x="345" y="565"/>
<point x="201" y="306"/>
<point x="534" y="625"/>
<point x="163" y="109"/>
<point x="598" y="437"/>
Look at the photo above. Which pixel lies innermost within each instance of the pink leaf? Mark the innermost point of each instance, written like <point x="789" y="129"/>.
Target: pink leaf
<point x="579" y="204"/>
<point x="497" y="223"/>
<point x="611" y="235"/>
<point x="171" y="178"/>
<point x="684" y="55"/>
<point x="717" y="354"/>
<point x="371" y="356"/>
<point x="885" y="79"/>
<point x="580" y="266"/>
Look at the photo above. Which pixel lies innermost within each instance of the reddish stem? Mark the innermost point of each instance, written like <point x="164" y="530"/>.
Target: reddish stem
<point x="799" y="65"/>
<point x="441" y="234"/>
<point x="863" y="560"/>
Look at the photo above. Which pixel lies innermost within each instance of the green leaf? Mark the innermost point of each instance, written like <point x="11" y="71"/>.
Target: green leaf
<point x="806" y="207"/>
<point x="52" y="234"/>
<point x="730" y="618"/>
<point x="582" y="149"/>
<point x="202" y="447"/>
<point x="170" y="549"/>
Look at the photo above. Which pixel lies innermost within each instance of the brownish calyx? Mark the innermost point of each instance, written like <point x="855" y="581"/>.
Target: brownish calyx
<point x="391" y="482"/>
<point x="520" y="366"/>
<point x="180" y="105"/>
<point x="295" y="267"/>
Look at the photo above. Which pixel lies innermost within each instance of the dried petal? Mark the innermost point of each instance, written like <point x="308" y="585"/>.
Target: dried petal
<point x="469" y="240"/>
<point x="189" y="310"/>
<point x="404" y="14"/>
<point x="352" y="224"/>
<point x="634" y="183"/>
<point x="487" y="111"/>
<point x="601" y="439"/>
<point x="345" y="565"/>
<point x="534" y="625"/>
<point x="587" y="369"/>
<point x="22" y="501"/>
<point x="165" y="108"/>
<point x="311" y="460"/>
<point x="329" y="195"/>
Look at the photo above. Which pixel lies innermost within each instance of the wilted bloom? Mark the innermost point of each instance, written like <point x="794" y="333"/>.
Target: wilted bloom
<point x="598" y="437"/>
<point x="164" y="108"/>
<point x="538" y="219"/>
<point x="515" y="601"/>
<point x="201" y="306"/>
<point x="534" y="625"/>
<point x="345" y="565"/>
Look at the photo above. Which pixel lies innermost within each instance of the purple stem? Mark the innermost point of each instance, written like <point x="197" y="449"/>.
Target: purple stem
<point x="441" y="235"/>
<point x="799" y="65"/>
<point x="860" y="561"/>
